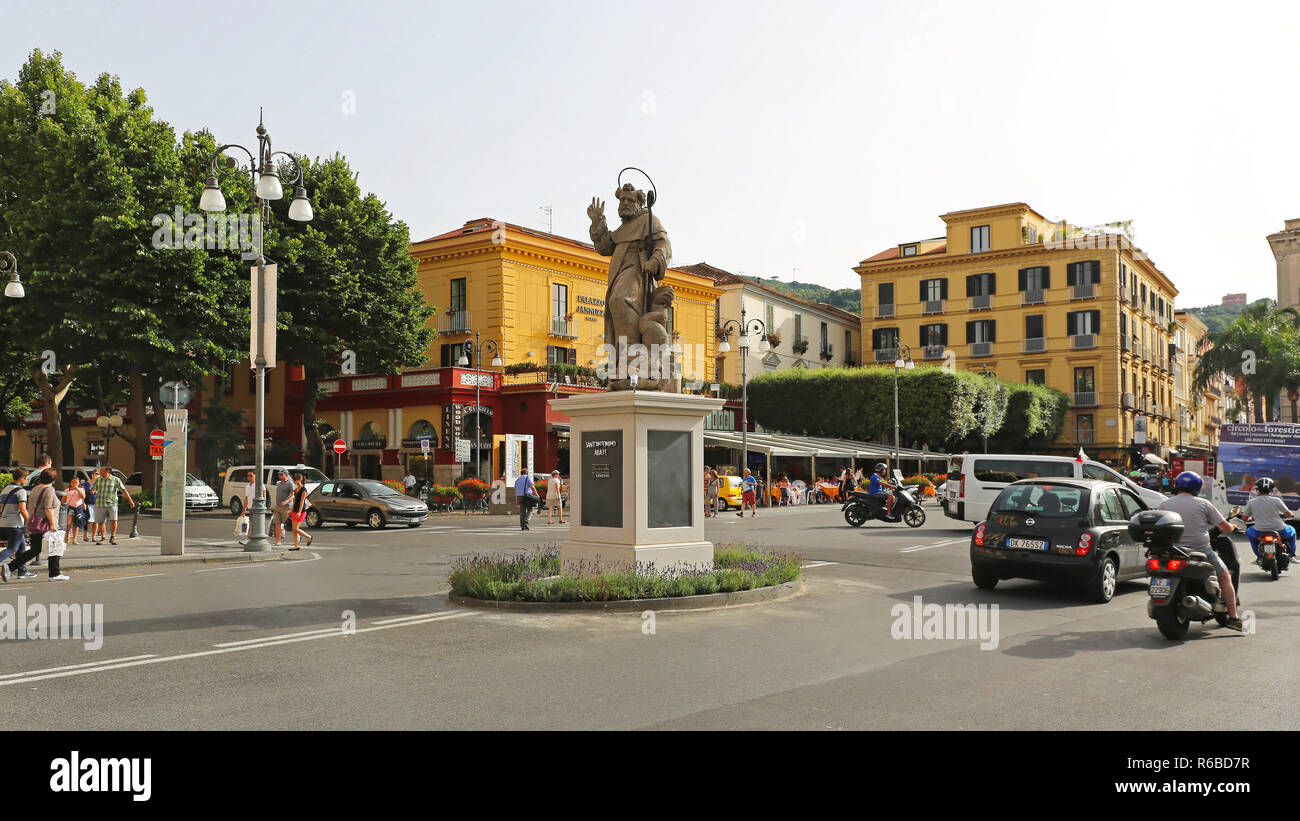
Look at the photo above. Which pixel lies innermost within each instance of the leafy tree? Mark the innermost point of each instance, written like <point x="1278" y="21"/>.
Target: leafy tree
<point x="347" y="282"/>
<point x="1262" y="347"/>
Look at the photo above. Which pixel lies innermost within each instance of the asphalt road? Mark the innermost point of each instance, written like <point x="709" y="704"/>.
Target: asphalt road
<point x="262" y="646"/>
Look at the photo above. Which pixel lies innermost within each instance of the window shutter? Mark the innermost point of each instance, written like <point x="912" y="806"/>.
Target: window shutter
<point x="1096" y="271"/>
<point x="993" y="329"/>
<point x="1071" y="322"/>
<point x="924" y="282"/>
<point x="1047" y="277"/>
<point x="1123" y="326"/>
<point x="1022" y="280"/>
<point x="972" y="285"/>
<point x="970" y="332"/>
<point x="943" y="288"/>
<point x="1072" y="274"/>
<point x="993" y="282"/>
<point x="573" y="356"/>
<point x="943" y="334"/>
<point x="1096" y="321"/>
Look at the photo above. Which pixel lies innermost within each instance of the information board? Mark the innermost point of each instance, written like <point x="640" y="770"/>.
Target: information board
<point x="601" y="480"/>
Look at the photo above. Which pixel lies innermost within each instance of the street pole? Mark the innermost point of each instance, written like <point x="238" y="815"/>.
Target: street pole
<point x="478" y="416"/>
<point x="746" y="327"/>
<point x="896" y="413"/>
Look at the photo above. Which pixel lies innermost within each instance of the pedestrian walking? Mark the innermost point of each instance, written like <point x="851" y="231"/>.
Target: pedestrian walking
<point x="409" y="481"/>
<point x="91" y="500"/>
<point x="554" y="497"/>
<point x="75" y="499"/>
<point x="42" y="521"/>
<point x="525" y="496"/>
<point x="107" y="487"/>
<point x="748" y="495"/>
<point x="710" y="492"/>
<point x="283" y="492"/>
<point x="298" y="510"/>
<point x="13" y="520"/>
<point x="243" y="524"/>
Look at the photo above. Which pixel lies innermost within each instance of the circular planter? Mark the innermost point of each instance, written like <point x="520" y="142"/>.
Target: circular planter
<point x="710" y="601"/>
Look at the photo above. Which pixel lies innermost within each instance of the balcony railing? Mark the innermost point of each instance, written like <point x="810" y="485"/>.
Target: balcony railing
<point x="932" y="306"/>
<point x="1128" y="400"/>
<point x="561" y="326"/>
<point x="981" y="302"/>
<point x="1079" y="341"/>
<point x="1033" y="345"/>
<point x="1085" y="399"/>
<point x="1083" y="290"/>
<point x="981" y="349"/>
<point x="1033" y="296"/>
<point x="1088" y="437"/>
<point x="889" y="355"/>
<point x="453" y="322"/>
<point x="932" y="352"/>
<point x="884" y="312"/>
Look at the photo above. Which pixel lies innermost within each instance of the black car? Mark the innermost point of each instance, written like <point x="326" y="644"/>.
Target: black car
<point x="1068" y="530"/>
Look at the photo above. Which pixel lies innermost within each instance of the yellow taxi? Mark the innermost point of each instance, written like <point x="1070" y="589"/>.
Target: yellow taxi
<point x="729" y="492"/>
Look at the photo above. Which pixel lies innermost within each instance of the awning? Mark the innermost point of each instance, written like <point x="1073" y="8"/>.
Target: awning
<point x="1152" y="459"/>
<point x="780" y="444"/>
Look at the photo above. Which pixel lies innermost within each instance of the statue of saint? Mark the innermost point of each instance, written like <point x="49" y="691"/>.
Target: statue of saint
<point x="639" y="254"/>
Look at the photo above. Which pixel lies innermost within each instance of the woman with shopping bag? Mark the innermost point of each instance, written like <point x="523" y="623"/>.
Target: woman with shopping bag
<point x="43" y="528"/>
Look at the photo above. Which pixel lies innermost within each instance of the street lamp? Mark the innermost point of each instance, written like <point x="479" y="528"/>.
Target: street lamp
<point x="476" y="350"/>
<point x="752" y="327"/>
<point x="14" y="289"/>
<point x="111" y="425"/>
<point x="902" y="363"/>
<point x="266" y="183"/>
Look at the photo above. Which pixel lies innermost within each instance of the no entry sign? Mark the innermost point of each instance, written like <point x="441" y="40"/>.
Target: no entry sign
<point x="340" y="446"/>
<point x="155" y="437"/>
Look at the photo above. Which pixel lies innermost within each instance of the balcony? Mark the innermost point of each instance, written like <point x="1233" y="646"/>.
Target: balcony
<point x="932" y="352"/>
<point x="1124" y="344"/>
<point x="932" y="306"/>
<point x="981" y="349"/>
<point x="1033" y="296"/>
<point x="453" y="322"/>
<point x="1033" y="345"/>
<point x="1084" y="290"/>
<point x="1088" y="437"/>
<point x="884" y="312"/>
<point x="563" y="326"/>
<point x="886" y="355"/>
<point x="1085" y="399"/>
<point x="1081" y="341"/>
<point x="1127" y="401"/>
<point x="981" y="302"/>
<point x="1133" y="298"/>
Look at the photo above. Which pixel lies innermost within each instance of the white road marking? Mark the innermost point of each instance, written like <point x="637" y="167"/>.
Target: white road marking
<point x="24" y="587"/>
<point x="76" y="666"/>
<point x="234" y="567"/>
<point x="917" y="547"/>
<point x="219" y="651"/>
<point x="818" y="564"/>
<point x="285" y="636"/>
<point x="120" y="578"/>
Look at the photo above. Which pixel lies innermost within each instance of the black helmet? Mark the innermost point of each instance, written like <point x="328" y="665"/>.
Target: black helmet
<point x="1163" y="527"/>
<point x="1265" y="486"/>
<point x="880" y="466"/>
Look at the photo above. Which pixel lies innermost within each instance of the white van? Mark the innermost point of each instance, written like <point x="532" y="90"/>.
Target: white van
<point x="235" y="478"/>
<point x="976" y="479"/>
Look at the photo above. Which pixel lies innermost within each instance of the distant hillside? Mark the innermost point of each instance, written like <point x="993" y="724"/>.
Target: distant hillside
<point x="1218" y="317"/>
<point x="848" y="299"/>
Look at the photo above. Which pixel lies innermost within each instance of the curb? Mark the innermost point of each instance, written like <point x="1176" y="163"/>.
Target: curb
<point x="711" y="601"/>
<point x="147" y="561"/>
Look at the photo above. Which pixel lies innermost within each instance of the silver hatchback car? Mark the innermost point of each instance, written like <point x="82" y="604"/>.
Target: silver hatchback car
<point x="353" y="501"/>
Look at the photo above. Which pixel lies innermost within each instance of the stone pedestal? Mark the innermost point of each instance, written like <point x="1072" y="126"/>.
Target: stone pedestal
<point x="636" y="480"/>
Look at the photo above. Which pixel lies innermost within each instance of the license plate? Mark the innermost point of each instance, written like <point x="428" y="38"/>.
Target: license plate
<point x="1162" y="588"/>
<point x="1027" y="544"/>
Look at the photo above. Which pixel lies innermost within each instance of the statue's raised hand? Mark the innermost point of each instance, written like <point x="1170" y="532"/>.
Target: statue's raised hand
<point x="596" y="211"/>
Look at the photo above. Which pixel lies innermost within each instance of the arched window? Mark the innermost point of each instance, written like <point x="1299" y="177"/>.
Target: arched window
<point x="423" y="428"/>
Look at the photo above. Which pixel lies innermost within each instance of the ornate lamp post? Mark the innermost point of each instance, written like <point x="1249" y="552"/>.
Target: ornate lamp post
<point x="111" y="425"/>
<point x="476" y="351"/>
<point x="903" y="362"/>
<point x="266" y="184"/>
<point x="746" y="329"/>
<point x="14" y="288"/>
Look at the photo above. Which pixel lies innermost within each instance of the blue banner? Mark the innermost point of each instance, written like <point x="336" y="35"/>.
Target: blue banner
<point x="1249" y="452"/>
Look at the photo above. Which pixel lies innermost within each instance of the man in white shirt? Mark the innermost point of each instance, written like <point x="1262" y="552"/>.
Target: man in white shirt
<point x="409" y="481"/>
<point x="1267" y="512"/>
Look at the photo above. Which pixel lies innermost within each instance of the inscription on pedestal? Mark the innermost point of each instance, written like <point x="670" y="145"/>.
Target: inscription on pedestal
<point x="672" y="478"/>
<point x="602" y="478"/>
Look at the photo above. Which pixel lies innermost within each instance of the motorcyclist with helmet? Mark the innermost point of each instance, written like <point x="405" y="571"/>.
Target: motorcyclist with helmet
<point x="1199" y="517"/>
<point x="881" y="488"/>
<point x="1268" y="512"/>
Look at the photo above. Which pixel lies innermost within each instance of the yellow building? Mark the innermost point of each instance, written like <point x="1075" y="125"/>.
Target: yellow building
<point x="1205" y="411"/>
<point x="1009" y="292"/>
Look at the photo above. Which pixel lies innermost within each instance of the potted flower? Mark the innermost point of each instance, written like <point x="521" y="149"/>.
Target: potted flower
<point x="471" y="490"/>
<point x="774" y="339"/>
<point x="443" y="494"/>
<point x="800" y="346"/>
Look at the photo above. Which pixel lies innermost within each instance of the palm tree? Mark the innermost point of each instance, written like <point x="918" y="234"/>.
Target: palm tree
<point x="1263" y="346"/>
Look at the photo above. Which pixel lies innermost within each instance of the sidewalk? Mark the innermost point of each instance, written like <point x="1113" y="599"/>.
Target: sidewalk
<point x="147" y="550"/>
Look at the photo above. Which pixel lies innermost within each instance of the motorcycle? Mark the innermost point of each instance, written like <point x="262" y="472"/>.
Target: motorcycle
<point x="860" y="508"/>
<point x="1274" y="554"/>
<point x="1184" y="586"/>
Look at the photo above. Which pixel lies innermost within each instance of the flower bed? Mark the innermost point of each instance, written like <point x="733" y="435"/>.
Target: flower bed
<point x="472" y="488"/>
<point x="535" y="577"/>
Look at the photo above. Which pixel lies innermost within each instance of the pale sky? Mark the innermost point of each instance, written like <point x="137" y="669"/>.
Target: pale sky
<point x="781" y="136"/>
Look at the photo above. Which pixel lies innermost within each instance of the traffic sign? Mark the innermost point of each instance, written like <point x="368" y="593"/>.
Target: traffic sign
<point x="425" y="445"/>
<point x="155" y="437"/>
<point x="340" y="446"/>
<point x="462" y="450"/>
<point x="156" y="451"/>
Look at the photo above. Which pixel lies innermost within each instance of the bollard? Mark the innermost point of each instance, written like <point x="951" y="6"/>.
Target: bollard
<point x="135" y="522"/>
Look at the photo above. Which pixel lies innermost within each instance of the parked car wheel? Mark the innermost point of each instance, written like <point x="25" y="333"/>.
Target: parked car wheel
<point x="984" y="581"/>
<point x="376" y="520"/>
<point x="313" y="519"/>
<point x="236" y="505"/>
<point x="1103" y="586"/>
